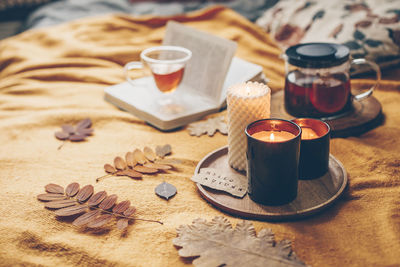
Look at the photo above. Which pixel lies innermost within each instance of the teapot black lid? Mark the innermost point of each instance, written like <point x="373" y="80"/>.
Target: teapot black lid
<point x="317" y="55"/>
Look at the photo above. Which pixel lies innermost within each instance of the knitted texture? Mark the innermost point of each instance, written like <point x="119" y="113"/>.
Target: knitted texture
<point x="243" y="108"/>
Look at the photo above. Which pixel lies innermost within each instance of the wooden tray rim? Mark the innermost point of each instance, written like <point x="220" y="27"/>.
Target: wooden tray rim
<point x="268" y="216"/>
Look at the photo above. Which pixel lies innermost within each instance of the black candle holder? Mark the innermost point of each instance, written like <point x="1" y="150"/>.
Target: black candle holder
<point x="272" y="166"/>
<point x="314" y="153"/>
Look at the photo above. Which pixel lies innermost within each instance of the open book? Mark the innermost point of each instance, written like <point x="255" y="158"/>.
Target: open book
<point x="202" y="91"/>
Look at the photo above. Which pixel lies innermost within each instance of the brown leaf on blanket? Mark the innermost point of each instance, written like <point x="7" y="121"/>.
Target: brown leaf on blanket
<point x="163" y="151"/>
<point x="94" y="209"/>
<point x="50" y="197"/>
<point x="97" y="198"/>
<point x="86" y="218"/>
<point x="139" y="156"/>
<point x="209" y="127"/>
<point x="149" y="154"/>
<point x="109" y="168"/>
<point x="72" y="210"/>
<point x="85" y="193"/>
<point x="216" y="243"/>
<point x="75" y="134"/>
<point x="72" y="189"/>
<point x="58" y="204"/>
<point x="138" y="162"/>
<point x="119" y="163"/>
<point x="143" y="169"/>
<point x="121" y="207"/>
<point x="122" y="224"/>
<point x="109" y="202"/>
<point x="54" y="188"/>
<point x="100" y="221"/>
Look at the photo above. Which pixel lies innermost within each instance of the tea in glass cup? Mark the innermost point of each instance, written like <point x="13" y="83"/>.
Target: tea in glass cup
<point x="167" y="65"/>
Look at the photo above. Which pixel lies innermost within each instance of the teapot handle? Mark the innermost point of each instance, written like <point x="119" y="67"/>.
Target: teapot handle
<point x="375" y="67"/>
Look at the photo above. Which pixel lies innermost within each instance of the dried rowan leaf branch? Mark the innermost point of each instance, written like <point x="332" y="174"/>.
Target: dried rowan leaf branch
<point x="137" y="163"/>
<point x="94" y="209"/>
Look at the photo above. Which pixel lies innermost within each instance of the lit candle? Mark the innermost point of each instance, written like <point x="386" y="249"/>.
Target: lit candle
<point x="273" y="136"/>
<point x="247" y="102"/>
<point x="314" y="151"/>
<point x="273" y="149"/>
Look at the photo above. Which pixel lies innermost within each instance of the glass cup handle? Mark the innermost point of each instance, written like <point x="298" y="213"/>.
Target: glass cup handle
<point x="375" y="67"/>
<point x="131" y="66"/>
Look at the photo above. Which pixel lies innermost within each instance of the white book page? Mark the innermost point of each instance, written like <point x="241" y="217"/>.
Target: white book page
<point x="206" y="71"/>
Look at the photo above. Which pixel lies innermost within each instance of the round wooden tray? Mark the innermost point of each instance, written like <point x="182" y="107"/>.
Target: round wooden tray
<point x="366" y="115"/>
<point x="313" y="195"/>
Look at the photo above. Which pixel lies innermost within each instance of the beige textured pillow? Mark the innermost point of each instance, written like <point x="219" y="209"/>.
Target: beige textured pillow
<point x="371" y="29"/>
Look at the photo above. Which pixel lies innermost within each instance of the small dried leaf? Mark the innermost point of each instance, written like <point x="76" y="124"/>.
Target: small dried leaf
<point x="108" y="203"/>
<point x="73" y="210"/>
<point x="121" y="207"/>
<point x="131" y="173"/>
<point x="97" y="198"/>
<point x="143" y="169"/>
<point x="72" y="189"/>
<point x="50" y="197"/>
<point x="130" y="159"/>
<point x="85" y="193"/>
<point x="122" y="224"/>
<point x="77" y="137"/>
<point x="86" y="218"/>
<point x="165" y="190"/>
<point x="149" y="153"/>
<point x="58" y="204"/>
<point x="139" y="156"/>
<point x="61" y="135"/>
<point x="86" y="131"/>
<point x="54" y="188"/>
<point x="157" y="166"/>
<point x="119" y="163"/>
<point x="99" y="221"/>
<point x="109" y="168"/>
<point x="68" y="128"/>
<point x="131" y="210"/>
<point x="209" y="126"/>
<point x="163" y="151"/>
<point x="85" y="123"/>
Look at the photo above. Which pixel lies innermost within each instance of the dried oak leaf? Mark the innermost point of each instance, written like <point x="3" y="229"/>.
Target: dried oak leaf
<point x="216" y="243"/>
<point x="75" y="134"/>
<point x="209" y="127"/>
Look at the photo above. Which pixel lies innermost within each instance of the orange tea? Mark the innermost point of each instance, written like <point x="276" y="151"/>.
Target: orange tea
<point x="168" y="82"/>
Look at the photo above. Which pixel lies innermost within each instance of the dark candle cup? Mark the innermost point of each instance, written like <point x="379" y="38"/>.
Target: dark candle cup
<point x="314" y="153"/>
<point x="272" y="167"/>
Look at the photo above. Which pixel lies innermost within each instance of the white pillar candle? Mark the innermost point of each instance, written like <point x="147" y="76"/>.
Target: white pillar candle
<point x="247" y="102"/>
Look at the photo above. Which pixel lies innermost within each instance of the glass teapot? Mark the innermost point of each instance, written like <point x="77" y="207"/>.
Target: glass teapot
<point x="318" y="80"/>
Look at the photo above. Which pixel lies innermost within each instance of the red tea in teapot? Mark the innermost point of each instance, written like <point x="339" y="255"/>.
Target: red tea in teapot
<point x="318" y="80"/>
<point x="315" y="95"/>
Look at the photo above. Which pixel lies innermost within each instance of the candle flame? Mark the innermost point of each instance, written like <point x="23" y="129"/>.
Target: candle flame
<point x="272" y="137"/>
